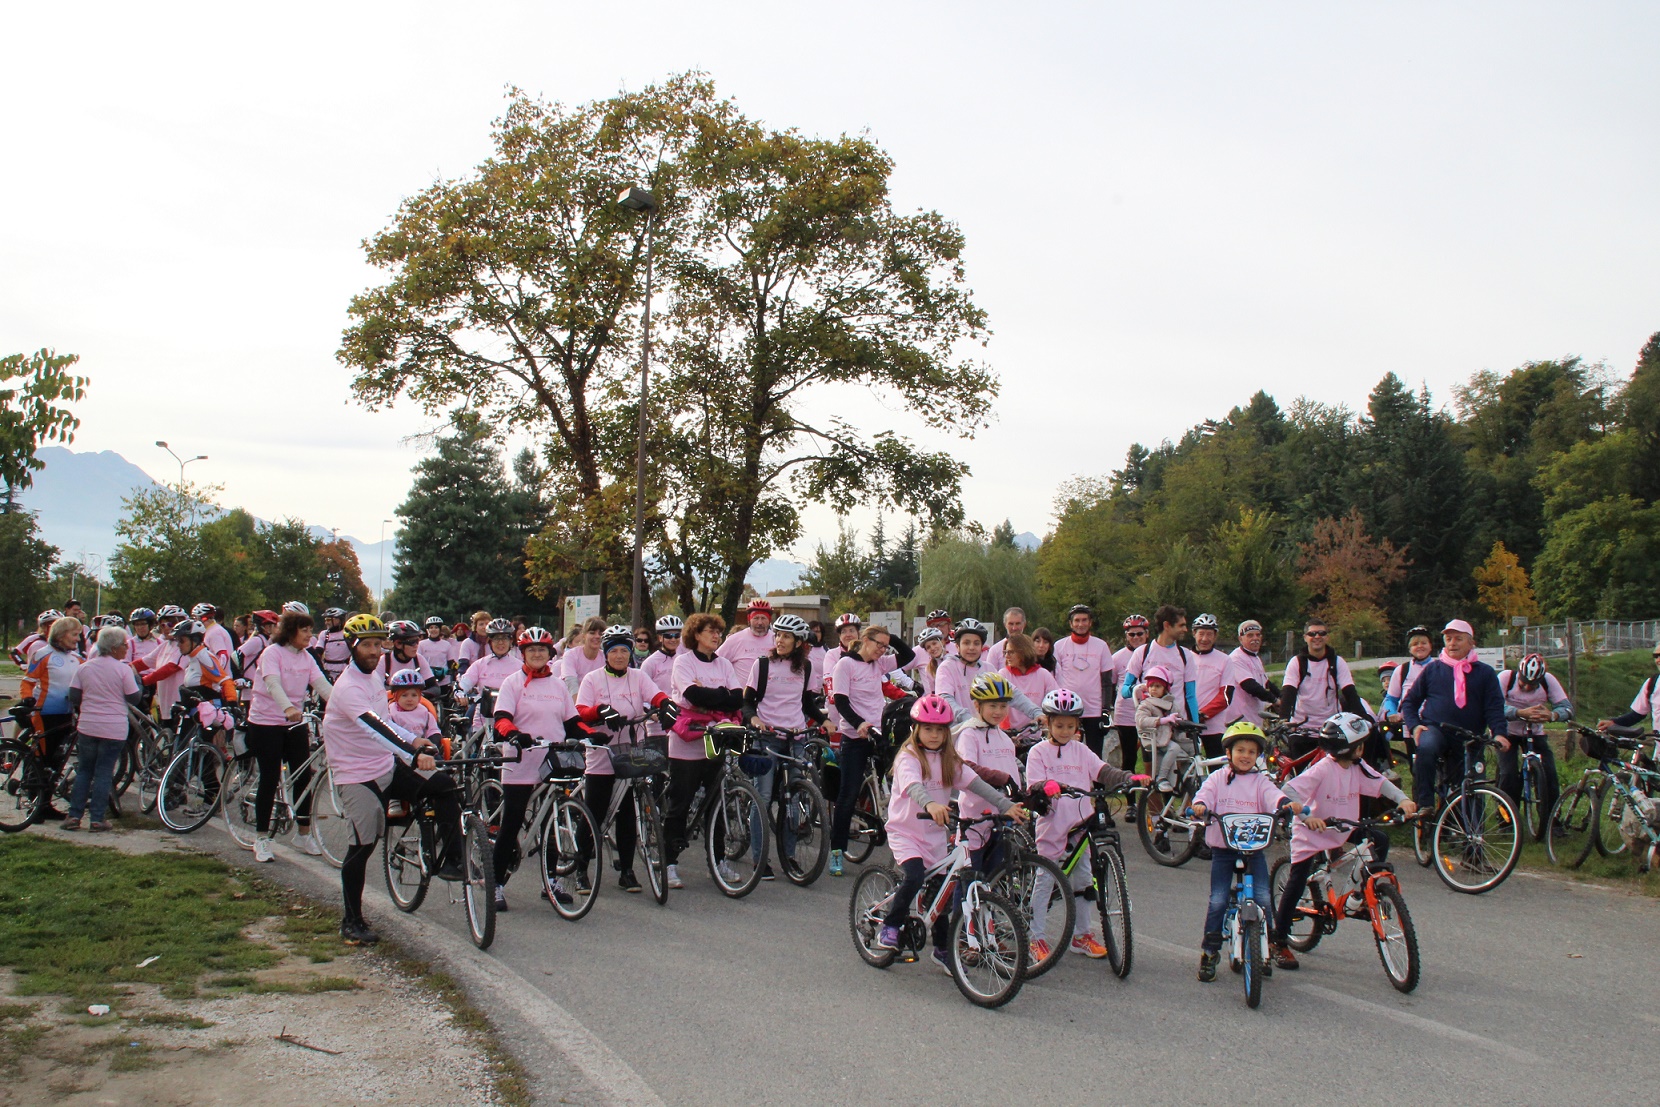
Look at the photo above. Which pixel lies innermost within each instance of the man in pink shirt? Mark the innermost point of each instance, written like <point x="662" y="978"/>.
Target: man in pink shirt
<point x="1014" y="622"/>
<point x="743" y="647"/>
<point x="1211" y="668"/>
<point x="1084" y="664"/>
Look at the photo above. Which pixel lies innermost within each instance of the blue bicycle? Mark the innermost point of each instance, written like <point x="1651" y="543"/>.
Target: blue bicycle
<point x="1245" y="925"/>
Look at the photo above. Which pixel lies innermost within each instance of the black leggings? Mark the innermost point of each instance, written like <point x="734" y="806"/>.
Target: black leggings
<point x="1129" y="746"/>
<point x="271" y="746"/>
<point x="916" y="873"/>
<point x="598" y="791"/>
<point x="515" y="798"/>
<point x="685" y="777"/>
<point x="851" y="759"/>
<point x="1296" y="881"/>
<point x="1095" y="730"/>
<point x="352" y="871"/>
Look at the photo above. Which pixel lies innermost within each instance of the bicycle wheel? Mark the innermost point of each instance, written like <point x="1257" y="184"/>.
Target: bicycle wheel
<point x="22" y="787"/>
<point x="1112" y="908"/>
<point x="571" y="879"/>
<point x="868" y="907"/>
<point x="189" y="789"/>
<point x="1306" y="931"/>
<point x="1165" y="834"/>
<point x="726" y="840"/>
<point x="328" y="817"/>
<point x="988" y="950"/>
<point x="1610" y="813"/>
<point x="478" y="893"/>
<point x="1397" y="939"/>
<point x="1477" y="840"/>
<point x="1036" y="887"/>
<point x="1423" y="834"/>
<point x="404" y="858"/>
<point x="1250" y="969"/>
<point x="650" y="848"/>
<point x="126" y="770"/>
<point x="804" y="816"/>
<point x="868" y="828"/>
<point x="240" y="783"/>
<point x="1573" y="826"/>
<point x="488" y="799"/>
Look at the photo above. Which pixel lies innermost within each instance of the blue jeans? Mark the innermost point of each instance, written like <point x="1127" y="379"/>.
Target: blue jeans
<point x="95" y="772"/>
<point x="1433" y="745"/>
<point x="1221" y="885"/>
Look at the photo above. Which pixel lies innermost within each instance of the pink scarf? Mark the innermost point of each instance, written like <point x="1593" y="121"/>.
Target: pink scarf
<point x="1460" y="669"/>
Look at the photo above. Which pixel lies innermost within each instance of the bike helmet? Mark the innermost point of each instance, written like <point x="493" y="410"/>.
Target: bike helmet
<point x="848" y="620"/>
<point x="1158" y="672"/>
<point x="1419" y="632"/>
<point x="933" y="710"/>
<point x="142" y="615"/>
<point x="402" y="630"/>
<point x="1242" y="730"/>
<point x="991" y="688"/>
<point x="109" y="620"/>
<point x="939" y="615"/>
<point x="170" y="611"/>
<point x="1206" y="621"/>
<point x="668" y="624"/>
<point x="265" y="615"/>
<point x="203" y="611"/>
<point x="495" y="628"/>
<point x="1531" y="670"/>
<point x="1343" y="732"/>
<point x="790" y="624"/>
<point x="434" y="621"/>
<point x="538" y="636"/>
<point x="1063" y="701"/>
<point x="331" y="612"/>
<point x="50" y="615"/>
<point x="760" y="607"/>
<point x="971" y="626"/>
<point x="932" y="634"/>
<point x="1135" y="622"/>
<point x="1079" y="609"/>
<point x="616" y="635"/>
<point x="406" y="678"/>
<point x="364" y="626"/>
<point x="191" y="629"/>
<point x="296" y="607"/>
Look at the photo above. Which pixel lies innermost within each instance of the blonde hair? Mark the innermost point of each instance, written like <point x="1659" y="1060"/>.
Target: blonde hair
<point x="66" y="625"/>
<point x="951" y="765"/>
<point x="869" y="633"/>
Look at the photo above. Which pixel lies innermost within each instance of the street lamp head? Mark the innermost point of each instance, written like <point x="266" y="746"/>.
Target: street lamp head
<point x="163" y="445"/>
<point x="199" y="457"/>
<point x="637" y="199"/>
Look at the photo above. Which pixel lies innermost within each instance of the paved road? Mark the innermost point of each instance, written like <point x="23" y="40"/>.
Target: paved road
<point x="1531" y="994"/>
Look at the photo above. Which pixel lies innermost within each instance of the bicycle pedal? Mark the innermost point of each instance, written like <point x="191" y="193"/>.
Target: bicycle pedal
<point x="907" y="957"/>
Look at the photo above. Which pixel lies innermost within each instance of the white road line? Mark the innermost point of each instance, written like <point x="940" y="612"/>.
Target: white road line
<point x="1406" y="1018"/>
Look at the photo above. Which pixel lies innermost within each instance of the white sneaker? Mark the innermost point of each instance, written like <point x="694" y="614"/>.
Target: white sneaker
<point x="728" y="874"/>
<point x="262" y="850"/>
<point x="674" y="877"/>
<point x="308" y="844"/>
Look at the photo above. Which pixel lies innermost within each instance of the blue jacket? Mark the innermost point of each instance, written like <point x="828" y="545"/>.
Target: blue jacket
<point x="1430" y="701"/>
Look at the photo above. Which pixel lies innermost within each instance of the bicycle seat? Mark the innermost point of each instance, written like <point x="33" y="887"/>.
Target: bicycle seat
<point x="1630" y="732"/>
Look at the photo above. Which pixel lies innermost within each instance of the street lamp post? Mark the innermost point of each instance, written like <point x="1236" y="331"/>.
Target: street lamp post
<point x="638" y="199"/>
<point x="380" y="574"/>
<point x="183" y="461"/>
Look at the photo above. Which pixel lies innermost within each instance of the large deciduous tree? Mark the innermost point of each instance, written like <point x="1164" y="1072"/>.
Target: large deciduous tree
<point x="33" y="391"/>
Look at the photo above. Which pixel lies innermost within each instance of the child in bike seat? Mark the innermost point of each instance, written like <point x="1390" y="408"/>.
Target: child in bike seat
<point x="926" y="770"/>
<point x="1061" y="758"/>
<point x="1236" y="788"/>
<point x="409" y="709"/>
<point x="1154" y="716"/>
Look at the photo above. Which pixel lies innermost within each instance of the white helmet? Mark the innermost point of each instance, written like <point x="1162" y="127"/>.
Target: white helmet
<point x="1343" y="732"/>
<point x="669" y="624"/>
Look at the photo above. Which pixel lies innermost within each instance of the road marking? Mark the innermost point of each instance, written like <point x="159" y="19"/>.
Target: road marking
<point x="1430" y="1026"/>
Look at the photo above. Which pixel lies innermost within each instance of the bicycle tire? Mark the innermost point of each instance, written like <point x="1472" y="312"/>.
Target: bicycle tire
<point x="22" y="786"/>
<point x="1477" y="840"/>
<point x="328" y="817"/>
<point x="478" y="891"/>
<point x="729" y="828"/>
<point x="1398" y="944"/>
<point x="1610" y="813"/>
<point x="1423" y="835"/>
<point x="1017" y="880"/>
<point x="803" y="811"/>
<point x="568" y="825"/>
<point x="1170" y="846"/>
<point x="651" y="845"/>
<point x="237" y="791"/>
<point x="988" y="950"/>
<point x="404" y="863"/>
<point x="1573" y="826"/>
<point x="1306" y="929"/>
<point x="1250" y="969"/>
<point x="186" y="801"/>
<point x="867" y="829"/>
<point x="126" y="770"/>
<point x="866" y="910"/>
<point x="1112" y="909"/>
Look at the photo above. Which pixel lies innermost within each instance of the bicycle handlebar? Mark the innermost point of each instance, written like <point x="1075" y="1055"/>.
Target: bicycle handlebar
<point x="1392" y="818"/>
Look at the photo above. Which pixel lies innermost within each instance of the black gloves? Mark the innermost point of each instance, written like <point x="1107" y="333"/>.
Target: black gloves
<point x="669" y="712"/>
<point x="609" y="716"/>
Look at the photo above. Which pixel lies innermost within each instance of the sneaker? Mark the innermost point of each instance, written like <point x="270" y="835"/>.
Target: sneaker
<point x="887" y="938"/>
<point x="1040" y="951"/>
<point x="728" y="875"/>
<point x="835" y="862"/>
<point x="72" y="822"/>
<point x="1089" y="947"/>
<point x="308" y="844"/>
<point x="451" y="871"/>
<point x="560" y="896"/>
<point x="501" y="898"/>
<point x="1165" y="787"/>
<point x="262" y="850"/>
<point x="942" y="958"/>
<point x="1207" y="966"/>
<point x="97" y="826"/>
<point x="580" y="879"/>
<point x="356" y="932"/>
<point x="1281" y="956"/>
<point x="1202" y="852"/>
<point x="628" y="882"/>
<point x="397" y="809"/>
<point x="674" y="877"/>
<point x="767" y="873"/>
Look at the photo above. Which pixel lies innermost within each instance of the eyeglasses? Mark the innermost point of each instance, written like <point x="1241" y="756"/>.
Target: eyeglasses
<point x="1314" y="634"/>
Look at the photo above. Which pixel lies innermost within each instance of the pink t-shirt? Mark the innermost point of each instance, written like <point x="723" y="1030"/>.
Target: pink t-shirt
<point x="689" y="671"/>
<point x="1226" y="792"/>
<point x="743" y="647"/>
<point x="539" y="706"/>
<point x="104" y="683"/>
<point x="436" y="657"/>
<point x="1176" y="657"/>
<point x="575" y="664"/>
<point x="1211" y="674"/>
<point x="909" y="836"/>
<point x="489" y="671"/>
<point x="1331" y="791"/>
<point x="1547" y="692"/>
<point x="355" y="755"/>
<point x="1244" y="665"/>
<point x="295" y="671"/>
<point x="1035" y="683"/>
<point x="954" y="678"/>
<point x="167" y="688"/>
<point x="861" y="682"/>
<point x="1079" y="665"/>
<point x="1647" y="703"/>
<point x="1123" y="709"/>
<point x="781" y="705"/>
<point x="658" y="668"/>
<point x="142" y="649"/>
<point x="218" y="641"/>
<point x="1317" y="699"/>
<point x="630" y="694"/>
<point x="990" y="748"/>
<point x="1074" y="765"/>
<point x="419" y="722"/>
<point x="827" y="668"/>
<point x="1404" y="677"/>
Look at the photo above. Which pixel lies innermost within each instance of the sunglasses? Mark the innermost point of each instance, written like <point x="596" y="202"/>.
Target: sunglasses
<point x="1314" y="634"/>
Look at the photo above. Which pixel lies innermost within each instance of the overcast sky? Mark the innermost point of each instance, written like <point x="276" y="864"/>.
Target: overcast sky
<point x="1166" y="206"/>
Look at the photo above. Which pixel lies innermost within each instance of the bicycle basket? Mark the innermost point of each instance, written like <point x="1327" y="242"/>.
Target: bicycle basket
<point x="1247" y="832"/>
<point x="565" y="764"/>
<point x="1599" y="747"/>
<point x="628" y="762"/>
<point x="720" y="738"/>
<point x="755" y="762"/>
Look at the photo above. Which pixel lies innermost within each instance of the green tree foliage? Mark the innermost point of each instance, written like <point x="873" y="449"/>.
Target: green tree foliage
<point x="25" y="563"/>
<point x="856" y="577"/>
<point x="33" y="391"/>
<point x="969" y="577"/>
<point x="1601" y="561"/>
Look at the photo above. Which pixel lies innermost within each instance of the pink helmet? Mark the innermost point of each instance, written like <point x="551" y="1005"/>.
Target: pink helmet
<point x="932" y="709"/>
<point x="1158" y="672"/>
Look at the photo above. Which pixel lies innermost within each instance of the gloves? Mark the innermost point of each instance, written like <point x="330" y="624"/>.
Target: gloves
<point x="668" y="712"/>
<point x="521" y="739"/>
<point x="1167" y="720"/>
<point x="1141" y="779"/>
<point x="609" y="715"/>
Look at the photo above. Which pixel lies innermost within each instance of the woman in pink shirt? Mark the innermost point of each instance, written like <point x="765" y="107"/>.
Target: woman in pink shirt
<point x="100" y="691"/>
<point x="859" y="700"/>
<point x="285" y="672"/>
<point x="1021" y="668"/>
<point x="782" y="691"/>
<point x="584" y="655"/>
<point x="706" y="689"/>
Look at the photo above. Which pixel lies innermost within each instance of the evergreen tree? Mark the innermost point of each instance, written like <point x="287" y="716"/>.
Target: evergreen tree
<point x="25" y="561"/>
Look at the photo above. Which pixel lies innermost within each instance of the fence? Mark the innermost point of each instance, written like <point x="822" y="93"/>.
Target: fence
<point x="1591" y="636"/>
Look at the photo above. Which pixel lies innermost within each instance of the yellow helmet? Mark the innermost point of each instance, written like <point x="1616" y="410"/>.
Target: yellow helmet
<point x="1244" y="729"/>
<point x="364" y="626"/>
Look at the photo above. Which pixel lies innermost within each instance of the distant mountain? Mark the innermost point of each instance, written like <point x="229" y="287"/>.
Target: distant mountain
<point x="774" y="575"/>
<point x="1026" y="540"/>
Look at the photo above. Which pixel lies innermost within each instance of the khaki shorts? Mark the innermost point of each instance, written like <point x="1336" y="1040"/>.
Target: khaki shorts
<point x="365" y="810"/>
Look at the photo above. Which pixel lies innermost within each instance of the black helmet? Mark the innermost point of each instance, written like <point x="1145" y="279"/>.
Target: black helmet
<point x="190" y="628"/>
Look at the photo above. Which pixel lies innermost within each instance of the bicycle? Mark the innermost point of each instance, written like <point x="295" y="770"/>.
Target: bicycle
<point x="189" y="792"/>
<point x="327" y="814"/>
<point x="1475" y="843"/>
<point x="409" y="857"/>
<point x="1098" y="840"/>
<point x="637" y="766"/>
<point x="1334" y="884"/>
<point x="730" y="813"/>
<point x="1618" y="793"/>
<point x="987" y="943"/>
<point x="1167" y="833"/>
<point x="799" y="813"/>
<point x="569" y="847"/>
<point x="28" y="783"/>
<point x="1244" y="929"/>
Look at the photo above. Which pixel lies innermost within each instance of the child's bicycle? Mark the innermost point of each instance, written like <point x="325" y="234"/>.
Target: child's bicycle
<point x="1353" y="885"/>
<point x="987" y="951"/>
<point x="1097" y="840"/>
<point x="1168" y="834"/>
<point x="1244" y="927"/>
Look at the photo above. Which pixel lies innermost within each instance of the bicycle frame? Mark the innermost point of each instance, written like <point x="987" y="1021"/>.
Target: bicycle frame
<point x="941" y="904"/>
<point x="1330" y="912"/>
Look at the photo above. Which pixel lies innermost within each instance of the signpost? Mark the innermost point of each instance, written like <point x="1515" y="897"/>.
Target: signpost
<point x="894" y="621"/>
<point x="579" y="609"/>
